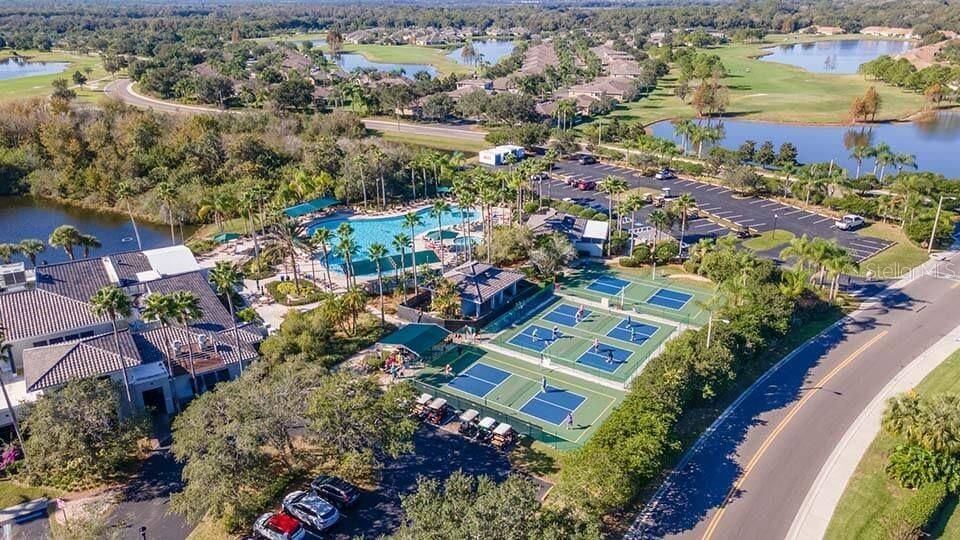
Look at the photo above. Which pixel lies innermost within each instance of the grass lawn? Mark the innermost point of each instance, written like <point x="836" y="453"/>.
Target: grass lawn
<point x="761" y="90"/>
<point x="12" y="493"/>
<point x="871" y="494"/>
<point x="768" y="240"/>
<point x="40" y="85"/>
<point x="430" y="141"/>
<point x="896" y="260"/>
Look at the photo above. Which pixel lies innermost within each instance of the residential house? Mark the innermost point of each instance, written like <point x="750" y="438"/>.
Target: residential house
<point x="889" y="31"/>
<point x="822" y="30"/>
<point x="537" y="58"/>
<point x="619" y="88"/>
<point x="505" y="84"/>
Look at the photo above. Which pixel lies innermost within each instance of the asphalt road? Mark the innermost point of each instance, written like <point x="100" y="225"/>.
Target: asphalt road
<point x="748" y="476"/>
<point x="122" y="89"/>
<point x="755" y="212"/>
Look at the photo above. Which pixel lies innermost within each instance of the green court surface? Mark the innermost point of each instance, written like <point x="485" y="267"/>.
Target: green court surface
<point x="600" y="343"/>
<point x="642" y="294"/>
<point x="511" y="391"/>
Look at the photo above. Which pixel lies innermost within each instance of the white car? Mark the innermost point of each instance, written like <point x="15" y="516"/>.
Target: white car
<point x="279" y="526"/>
<point x="315" y="512"/>
<point x="849" y="222"/>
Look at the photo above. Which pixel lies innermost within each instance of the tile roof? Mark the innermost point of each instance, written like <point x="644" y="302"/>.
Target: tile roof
<point x="79" y="279"/>
<point x="38" y="312"/>
<point x="216" y="318"/>
<point x="155" y="345"/>
<point x="478" y="281"/>
<point x="54" y="365"/>
<point x="129" y="264"/>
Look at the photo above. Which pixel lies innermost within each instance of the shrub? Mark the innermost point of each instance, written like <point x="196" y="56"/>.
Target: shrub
<point x="530" y="207"/>
<point x="629" y="262"/>
<point x="642" y="253"/>
<point x="247" y="314"/>
<point x="618" y="242"/>
<point x="915" y="513"/>
<point x="285" y="292"/>
<point x="854" y="204"/>
<point x="689" y="168"/>
<point x="666" y="252"/>
<point x="913" y="466"/>
<point x="199" y="247"/>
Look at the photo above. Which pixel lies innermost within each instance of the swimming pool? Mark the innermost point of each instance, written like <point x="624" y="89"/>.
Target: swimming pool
<point x="367" y="230"/>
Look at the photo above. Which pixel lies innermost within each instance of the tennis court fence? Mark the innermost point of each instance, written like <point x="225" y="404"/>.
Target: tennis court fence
<point x="460" y="404"/>
<point x="640" y="307"/>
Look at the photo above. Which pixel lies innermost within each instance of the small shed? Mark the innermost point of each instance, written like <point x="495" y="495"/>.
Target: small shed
<point x="498" y="155"/>
<point x="420" y="339"/>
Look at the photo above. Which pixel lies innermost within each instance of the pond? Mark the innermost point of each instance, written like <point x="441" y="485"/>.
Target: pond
<point x="489" y="51"/>
<point x="28" y="217"/>
<point x="18" y="67"/>
<point x="351" y="61"/>
<point x="934" y="143"/>
<point x="842" y="56"/>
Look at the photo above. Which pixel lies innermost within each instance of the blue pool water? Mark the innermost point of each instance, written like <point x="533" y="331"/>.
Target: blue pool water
<point x="841" y="57"/>
<point x="367" y="231"/>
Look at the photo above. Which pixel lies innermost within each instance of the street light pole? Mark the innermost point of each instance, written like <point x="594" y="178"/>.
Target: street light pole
<point x="710" y="328"/>
<point x="936" y="220"/>
<point x="774" y="235"/>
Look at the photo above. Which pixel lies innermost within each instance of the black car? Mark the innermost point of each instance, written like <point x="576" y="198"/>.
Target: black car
<point x="339" y="492"/>
<point x="586" y="160"/>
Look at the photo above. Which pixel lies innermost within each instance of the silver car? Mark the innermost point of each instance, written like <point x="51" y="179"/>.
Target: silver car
<point x="312" y="510"/>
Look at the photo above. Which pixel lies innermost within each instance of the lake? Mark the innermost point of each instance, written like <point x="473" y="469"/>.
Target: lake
<point x="15" y="68"/>
<point x="490" y="51"/>
<point x="351" y="61"/>
<point x="842" y="56"/>
<point x="934" y="143"/>
<point x="28" y="217"/>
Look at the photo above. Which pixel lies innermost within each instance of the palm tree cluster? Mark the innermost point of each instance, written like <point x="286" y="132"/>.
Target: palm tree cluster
<point x="696" y="134"/>
<point x="883" y="156"/>
<point x="819" y="257"/>
<point x="181" y="308"/>
<point x="66" y="237"/>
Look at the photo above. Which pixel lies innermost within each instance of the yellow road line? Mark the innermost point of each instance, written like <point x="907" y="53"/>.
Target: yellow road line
<point x="780" y="427"/>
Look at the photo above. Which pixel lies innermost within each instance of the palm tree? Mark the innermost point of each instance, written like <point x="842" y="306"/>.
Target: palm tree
<point x="683" y="205"/>
<point x="793" y="282"/>
<point x="31" y="247"/>
<point x="346" y="248"/>
<point x="439" y="208"/>
<point x="124" y="193"/>
<point x="860" y="153"/>
<point x="88" y="242"/>
<point x="705" y="134"/>
<point x="184" y="308"/>
<point x="66" y="237"/>
<point x="226" y="278"/>
<point x="799" y="247"/>
<point x="468" y="53"/>
<point x="289" y="236"/>
<point x="661" y="221"/>
<point x="840" y="263"/>
<point x="7" y="251"/>
<point x="400" y="243"/>
<point x="904" y="160"/>
<point x="359" y="160"/>
<point x="412" y="221"/>
<point x="167" y="193"/>
<point x="159" y="307"/>
<point x="113" y="303"/>
<point x="6" y="396"/>
<point x="684" y="130"/>
<point x="613" y="186"/>
<point x="375" y="252"/>
<point x="322" y="238"/>
<point x="883" y="156"/>
<point x="218" y="204"/>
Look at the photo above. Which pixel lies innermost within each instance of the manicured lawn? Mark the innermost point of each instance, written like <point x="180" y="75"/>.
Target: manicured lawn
<point x="40" y="85"/>
<point x="894" y="261"/>
<point x="769" y="240"/>
<point x="871" y="494"/>
<point x="12" y="493"/>
<point x="430" y="141"/>
<point x="762" y="90"/>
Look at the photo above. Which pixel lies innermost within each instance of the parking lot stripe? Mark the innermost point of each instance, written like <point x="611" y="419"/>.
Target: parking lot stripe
<point x="822" y="220"/>
<point x="757" y="225"/>
<point x="794" y="212"/>
<point x="757" y="201"/>
<point x="714" y="188"/>
<point x="771" y="203"/>
<point x="805" y="216"/>
<point x="723" y="212"/>
<point x="746" y="220"/>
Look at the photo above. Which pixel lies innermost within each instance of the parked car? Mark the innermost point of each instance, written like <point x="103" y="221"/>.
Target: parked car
<point x="338" y="491"/>
<point x="586" y="185"/>
<point x="279" y="526"/>
<point x="312" y="510"/>
<point x="586" y="159"/>
<point x="849" y="222"/>
<point x="665" y="174"/>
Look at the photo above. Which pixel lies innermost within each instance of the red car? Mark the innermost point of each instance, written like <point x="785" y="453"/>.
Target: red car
<point x="586" y="185"/>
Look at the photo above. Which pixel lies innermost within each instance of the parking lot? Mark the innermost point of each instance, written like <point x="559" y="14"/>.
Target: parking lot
<point x="757" y="213"/>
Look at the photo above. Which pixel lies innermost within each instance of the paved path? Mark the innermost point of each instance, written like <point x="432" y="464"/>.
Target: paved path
<point x="123" y="90"/>
<point x="755" y="212"/>
<point x="748" y="475"/>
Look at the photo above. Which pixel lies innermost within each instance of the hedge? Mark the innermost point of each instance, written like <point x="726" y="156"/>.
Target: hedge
<point x="914" y="514"/>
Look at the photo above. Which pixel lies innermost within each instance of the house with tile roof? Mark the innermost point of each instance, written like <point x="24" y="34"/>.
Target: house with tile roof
<point x="54" y="337"/>
<point x="483" y="287"/>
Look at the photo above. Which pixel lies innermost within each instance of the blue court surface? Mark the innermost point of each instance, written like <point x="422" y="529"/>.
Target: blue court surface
<point x="632" y="332"/>
<point x="553" y="405"/>
<point x="608" y="285"/>
<point x="669" y="299"/>
<point x="533" y="337"/>
<point x="566" y="315"/>
<point x="479" y="380"/>
<point x="608" y="359"/>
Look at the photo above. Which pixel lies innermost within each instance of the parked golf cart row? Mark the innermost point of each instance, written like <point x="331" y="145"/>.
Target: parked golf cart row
<point x="315" y="509"/>
<point x="484" y="430"/>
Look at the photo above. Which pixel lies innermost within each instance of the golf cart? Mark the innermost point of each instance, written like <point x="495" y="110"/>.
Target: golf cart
<point x="420" y="405"/>
<point x="485" y="429"/>
<point x="437" y="411"/>
<point x="503" y="436"/>
<point x="468" y="423"/>
<point x="744" y="233"/>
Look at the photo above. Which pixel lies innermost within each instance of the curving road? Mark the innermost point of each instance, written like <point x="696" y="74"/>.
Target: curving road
<point x="123" y="90"/>
<point x="747" y="477"/>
